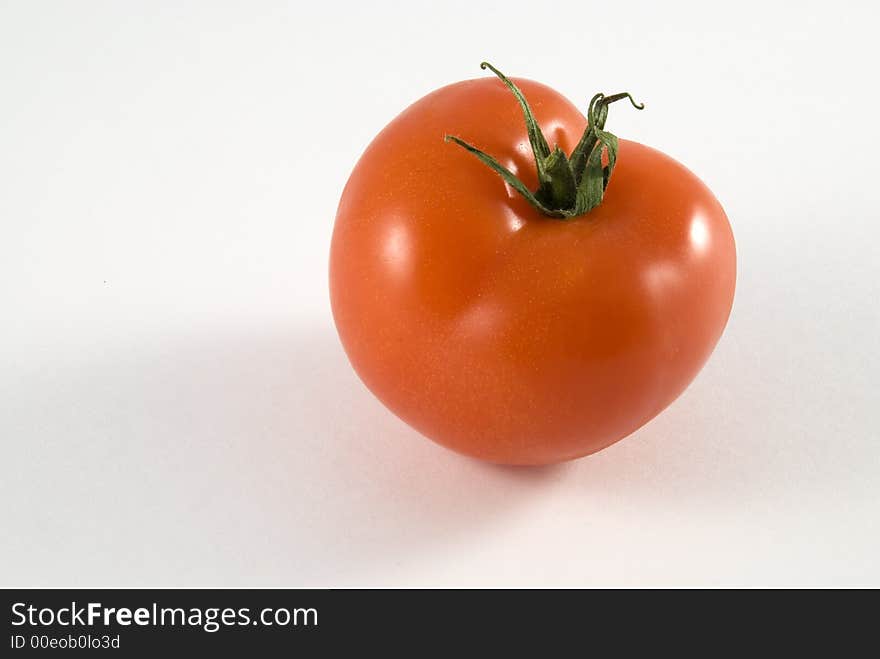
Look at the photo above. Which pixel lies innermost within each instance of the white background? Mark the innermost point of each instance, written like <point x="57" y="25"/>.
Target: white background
<point x="175" y="407"/>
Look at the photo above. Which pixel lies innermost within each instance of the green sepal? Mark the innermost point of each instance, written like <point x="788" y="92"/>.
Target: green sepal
<point x="536" y="138"/>
<point x="591" y="189"/>
<point x="561" y="188"/>
<point x="507" y="175"/>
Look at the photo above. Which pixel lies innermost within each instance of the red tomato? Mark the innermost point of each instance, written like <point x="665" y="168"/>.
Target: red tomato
<point x="503" y="333"/>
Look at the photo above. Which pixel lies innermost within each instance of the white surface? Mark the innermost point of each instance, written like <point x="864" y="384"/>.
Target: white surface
<point x="175" y="408"/>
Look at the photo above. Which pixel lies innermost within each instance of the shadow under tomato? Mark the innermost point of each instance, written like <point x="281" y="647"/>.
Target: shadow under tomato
<point x="359" y="490"/>
<point x="250" y="457"/>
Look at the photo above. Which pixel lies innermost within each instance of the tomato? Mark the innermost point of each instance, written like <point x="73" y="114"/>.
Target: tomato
<point x="501" y="332"/>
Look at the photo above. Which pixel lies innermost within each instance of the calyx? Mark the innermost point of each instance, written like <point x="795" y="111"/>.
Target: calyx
<point x="568" y="185"/>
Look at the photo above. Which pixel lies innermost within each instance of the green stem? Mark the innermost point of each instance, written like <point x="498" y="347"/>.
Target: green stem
<point x="567" y="186"/>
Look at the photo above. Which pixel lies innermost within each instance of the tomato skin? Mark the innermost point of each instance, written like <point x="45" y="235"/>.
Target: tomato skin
<point x="504" y="334"/>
